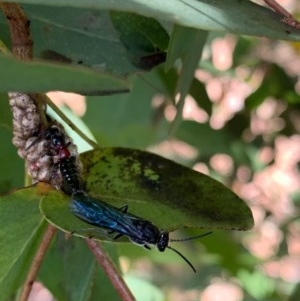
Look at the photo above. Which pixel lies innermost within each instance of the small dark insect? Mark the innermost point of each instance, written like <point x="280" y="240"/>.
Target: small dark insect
<point x="99" y="213"/>
<point x="68" y="166"/>
<point x="55" y="56"/>
<point x="138" y="230"/>
<point x="148" y="62"/>
<point x="56" y="145"/>
<point x="71" y="179"/>
<point x="56" y="142"/>
<point x="72" y="182"/>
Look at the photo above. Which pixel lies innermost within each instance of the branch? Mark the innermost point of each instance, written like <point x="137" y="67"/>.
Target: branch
<point x="111" y="271"/>
<point x="36" y="263"/>
<point x="287" y="17"/>
<point x="19" y="30"/>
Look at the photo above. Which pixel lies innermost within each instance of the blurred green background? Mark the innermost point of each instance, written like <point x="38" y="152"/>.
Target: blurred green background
<point x="239" y="123"/>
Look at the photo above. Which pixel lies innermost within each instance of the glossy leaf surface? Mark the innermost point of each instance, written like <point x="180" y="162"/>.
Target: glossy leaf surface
<point x="71" y="259"/>
<point x="12" y="167"/>
<point x="143" y="180"/>
<point x="144" y="38"/>
<point x="21" y="228"/>
<point x="243" y="17"/>
<point x="55" y="207"/>
<point x="156" y="189"/>
<point x="43" y="76"/>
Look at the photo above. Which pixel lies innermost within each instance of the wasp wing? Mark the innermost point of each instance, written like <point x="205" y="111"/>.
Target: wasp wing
<point x="98" y="213"/>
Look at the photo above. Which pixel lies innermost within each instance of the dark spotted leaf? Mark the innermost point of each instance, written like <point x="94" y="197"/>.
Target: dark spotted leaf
<point x="162" y="191"/>
<point x="156" y="189"/>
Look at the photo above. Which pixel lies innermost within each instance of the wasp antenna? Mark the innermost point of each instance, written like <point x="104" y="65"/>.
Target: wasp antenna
<point x="183" y="257"/>
<point x="193" y="237"/>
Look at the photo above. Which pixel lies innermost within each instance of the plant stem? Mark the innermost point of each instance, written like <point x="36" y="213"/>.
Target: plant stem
<point x="287" y="17"/>
<point x="19" y="30"/>
<point x="111" y="271"/>
<point x="36" y="263"/>
<point x="178" y="117"/>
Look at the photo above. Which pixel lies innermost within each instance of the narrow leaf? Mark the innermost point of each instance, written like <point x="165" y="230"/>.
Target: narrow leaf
<point x="20" y="230"/>
<point x="41" y="76"/>
<point x="81" y="277"/>
<point x="190" y="54"/>
<point x="144" y="38"/>
<point x="236" y="16"/>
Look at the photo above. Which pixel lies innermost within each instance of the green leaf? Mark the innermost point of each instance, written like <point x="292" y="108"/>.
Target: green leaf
<point x="144" y="290"/>
<point x="198" y="92"/>
<point x="236" y="16"/>
<point x="139" y="33"/>
<point x="78" y="36"/>
<point x="70" y="260"/>
<point x="41" y="76"/>
<point x="17" y="275"/>
<point x="231" y="258"/>
<point x="257" y="283"/>
<point x="295" y="294"/>
<point x="144" y="38"/>
<point x="127" y="127"/>
<point x="80" y="276"/>
<point x="12" y="167"/>
<point x="286" y="89"/>
<point x="155" y="189"/>
<point x="162" y="191"/>
<point x="21" y="228"/>
<point x="204" y="138"/>
<point x="182" y="43"/>
<point x="101" y="281"/>
<point x="187" y="44"/>
<point x="54" y="207"/>
<point x="190" y="54"/>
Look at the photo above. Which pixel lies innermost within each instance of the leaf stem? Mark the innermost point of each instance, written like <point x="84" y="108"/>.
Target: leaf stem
<point x="36" y="263"/>
<point x="111" y="271"/>
<point x="287" y="17"/>
<point x="69" y="122"/>
<point x="19" y="30"/>
<point x="178" y="117"/>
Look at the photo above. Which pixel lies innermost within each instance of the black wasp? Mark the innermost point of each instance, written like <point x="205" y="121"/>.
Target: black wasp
<point x="68" y="166"/>
<point x="101" y="214"/>
<point x="138" y="230"/>
<point x="56" y="145"/>
<point x="56" y="142"/>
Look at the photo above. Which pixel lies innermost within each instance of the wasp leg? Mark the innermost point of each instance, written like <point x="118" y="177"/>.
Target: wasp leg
<point x="147" y="247"/>
<point x="124" y="208"/>
<point x="118" y="236"/>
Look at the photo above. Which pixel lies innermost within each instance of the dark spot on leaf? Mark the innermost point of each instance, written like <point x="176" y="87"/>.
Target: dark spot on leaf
<point x="104" y="159"/>
<point x="47" y="28"/>
<point x="55" y="56"/>
<point x="166" y="189"/>
<point x="150" y="61"/>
